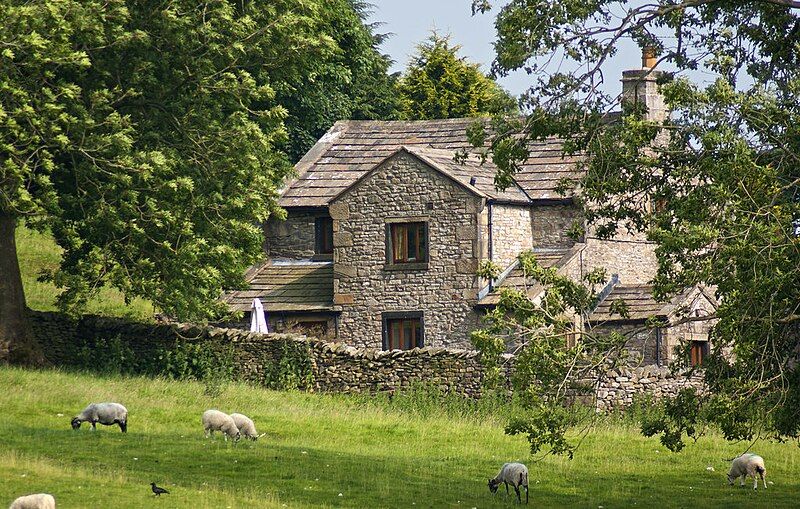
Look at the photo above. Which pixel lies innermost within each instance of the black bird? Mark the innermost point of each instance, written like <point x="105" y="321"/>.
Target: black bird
<point x="157" y="490"/>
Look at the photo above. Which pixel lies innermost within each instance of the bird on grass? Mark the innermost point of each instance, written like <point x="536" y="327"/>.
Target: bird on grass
<point x="157" y="490"/>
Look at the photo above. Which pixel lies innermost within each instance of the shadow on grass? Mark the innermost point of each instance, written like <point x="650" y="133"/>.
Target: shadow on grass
<point x="309" y="476"/>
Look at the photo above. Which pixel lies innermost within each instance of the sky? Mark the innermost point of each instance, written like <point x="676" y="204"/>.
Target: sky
<point x="411" y="22"/>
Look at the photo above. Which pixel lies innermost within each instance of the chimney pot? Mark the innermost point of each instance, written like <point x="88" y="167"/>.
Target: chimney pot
<point x="648" y="57"/>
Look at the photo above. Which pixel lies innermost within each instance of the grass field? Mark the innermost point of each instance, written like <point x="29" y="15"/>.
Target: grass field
<point x="333" y="451"/>
<point x="38" y="252"/>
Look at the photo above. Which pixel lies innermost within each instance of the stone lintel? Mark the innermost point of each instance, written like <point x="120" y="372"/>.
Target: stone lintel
<point x="343" y="298"/>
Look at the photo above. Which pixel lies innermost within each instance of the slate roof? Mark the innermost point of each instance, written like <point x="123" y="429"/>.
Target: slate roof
<point x="463" y="173"/>
<point x="639" y="299"/>
<point x="353" y="147"/>
<point x="516" y="278"/>
<point x="286" y="286"/>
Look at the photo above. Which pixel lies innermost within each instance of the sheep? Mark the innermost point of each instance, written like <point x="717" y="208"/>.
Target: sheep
<point x="515" y="474"/>
<point x="246" y="426"/>
<point x="104" y="413"/>
<point x="748" y="465"/>
<point x="214" y="420"/>
<point x="37" y="501"/>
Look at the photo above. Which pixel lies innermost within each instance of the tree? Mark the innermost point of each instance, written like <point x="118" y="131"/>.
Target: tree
<point x="144" y="136"/>
<point x="723" y="166"/>
<point x="440" y="84"/>
<point x="351" y="83"/>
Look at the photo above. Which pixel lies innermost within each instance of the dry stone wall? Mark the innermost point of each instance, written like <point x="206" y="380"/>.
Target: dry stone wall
<point x="619" y="387"/>
<point x="334" y="367"/>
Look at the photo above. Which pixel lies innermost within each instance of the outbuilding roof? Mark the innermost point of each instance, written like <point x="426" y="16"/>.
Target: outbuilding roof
<point x="351" y="148"/>
<point x="286" y="286"/>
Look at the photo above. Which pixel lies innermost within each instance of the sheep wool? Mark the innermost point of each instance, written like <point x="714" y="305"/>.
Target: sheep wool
<point x="245" y="425"/>
<point x="37" y="501"/>
<point x="748" y="465"/>
<point x="214" y="420"/>
<point x="105" y="413"/>
<point x="515" y="474"/>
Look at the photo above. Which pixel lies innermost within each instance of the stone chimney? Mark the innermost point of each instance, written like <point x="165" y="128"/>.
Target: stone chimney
<point x="639" y="85"/>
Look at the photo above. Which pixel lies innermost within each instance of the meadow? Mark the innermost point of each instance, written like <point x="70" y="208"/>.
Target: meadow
<point x="336" y="451"/>
<point x="38" y="252"/>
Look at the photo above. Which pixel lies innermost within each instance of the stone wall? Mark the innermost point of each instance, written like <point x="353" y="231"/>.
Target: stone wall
<point x="334" y="367"/>
<point x="444" y="289"/>
<point x="511" y="233"/>
<point x="631" y="257"/>
<point x="294" y="236"/>
<point x="619" y="387"/>
<point x="641" y="345"/>
<point x="551" y="224"/>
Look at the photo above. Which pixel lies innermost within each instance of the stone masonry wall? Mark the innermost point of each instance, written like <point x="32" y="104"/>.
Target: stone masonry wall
<point x="445" y="289"/>
<point x="335" y="367"/>
<point x="292" y="237"/>
<point x="511" y="233"/>
<point x="631" y="257"/>
<point x="551" y="224"/>
<point x="619" y="387"/>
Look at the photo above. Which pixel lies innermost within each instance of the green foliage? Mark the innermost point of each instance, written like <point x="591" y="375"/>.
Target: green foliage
<point x="349" y="81"/>
<point x="723" y="169"/>
<point x="293" y="369"/>
<point x="440" y="84"/>
<point x="552" y="378"/>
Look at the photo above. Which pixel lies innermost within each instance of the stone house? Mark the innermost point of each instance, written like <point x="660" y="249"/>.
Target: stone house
<point x="385" y="231"/>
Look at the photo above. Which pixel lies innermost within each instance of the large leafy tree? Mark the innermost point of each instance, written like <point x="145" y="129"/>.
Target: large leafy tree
<point x="723" y="167"/>
<point x="143" y="135"/>
<point x="440" y="84"/>
<point x="352" y="82"/>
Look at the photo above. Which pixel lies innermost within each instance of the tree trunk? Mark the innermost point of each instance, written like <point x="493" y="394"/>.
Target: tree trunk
<point x="17" y="342"/>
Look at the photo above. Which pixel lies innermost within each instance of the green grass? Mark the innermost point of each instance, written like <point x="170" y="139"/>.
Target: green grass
<point x="38" y="252"/>
<point x="318" y="446"/>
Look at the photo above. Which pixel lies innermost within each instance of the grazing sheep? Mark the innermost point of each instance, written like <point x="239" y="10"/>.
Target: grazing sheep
<point x="246" y="426"/>
<point x="214" y="420"/>
<point x="515" y="474"/>
<point x="748" y="465"/>
<point x="104" y="413"/>
<point x="37" y="501"/>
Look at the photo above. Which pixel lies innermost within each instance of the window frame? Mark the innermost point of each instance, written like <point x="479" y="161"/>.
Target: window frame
<point x="321" y="238"/>
<point x="696" y="356"/>
<point x="421" y="239"/>
<point x="390" y="318"/>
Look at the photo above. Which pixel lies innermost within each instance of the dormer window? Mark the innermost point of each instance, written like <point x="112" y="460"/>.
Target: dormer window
<point x="323" y="236"/>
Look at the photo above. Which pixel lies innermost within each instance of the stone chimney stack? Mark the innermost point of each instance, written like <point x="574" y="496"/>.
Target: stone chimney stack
<point x="639" y="86"/>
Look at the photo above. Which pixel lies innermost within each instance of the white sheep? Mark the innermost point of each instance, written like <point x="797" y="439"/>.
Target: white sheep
<point x="515" y="474"/>
<point x="37" y="501"/>
<point x="104" y="413"/>
<point x="748" y="465"/>
<point x="214" y="420"/>
<point x="246" y="426"/>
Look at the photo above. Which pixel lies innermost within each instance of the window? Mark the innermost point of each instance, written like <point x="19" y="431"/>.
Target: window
<point x="698" y="352"/>
<point x="407" y="243"/>
<point x="323" y="235"/>
<point x="402" y="331"/>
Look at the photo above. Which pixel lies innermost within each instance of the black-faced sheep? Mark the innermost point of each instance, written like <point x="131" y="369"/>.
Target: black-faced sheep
<point x="515" y="474"/>
<point x="104" y="413"/>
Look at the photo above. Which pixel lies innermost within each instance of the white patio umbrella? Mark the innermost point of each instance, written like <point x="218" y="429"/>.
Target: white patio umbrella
<point x="258" y="322"/>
